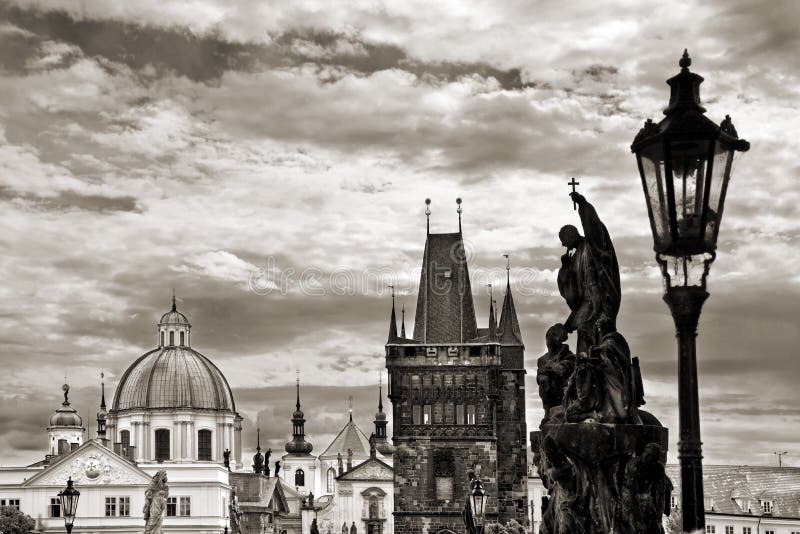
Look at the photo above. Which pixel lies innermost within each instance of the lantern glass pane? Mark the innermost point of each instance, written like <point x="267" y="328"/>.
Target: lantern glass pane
<point x="686" y="270"/>
<point x="653" y="183"/>
<point x="689" y="164"/>
<point x="723" y="159"/>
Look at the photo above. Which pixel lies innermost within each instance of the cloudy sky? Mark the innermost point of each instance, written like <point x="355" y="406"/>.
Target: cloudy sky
<point x="270" y="160"/>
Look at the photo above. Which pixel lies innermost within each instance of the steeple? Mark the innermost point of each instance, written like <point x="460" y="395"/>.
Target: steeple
<point x="445" y="310"/>
<point x="298" y="445"/>
<point x="381" y="441"/>
<point x="492" y="320"/>
<point x="403" y="322"/>
<point x="258" y="458"/>
<point x="509" y="324"/>
<point x="102" y="415"/>
<point x="392" y="323"/>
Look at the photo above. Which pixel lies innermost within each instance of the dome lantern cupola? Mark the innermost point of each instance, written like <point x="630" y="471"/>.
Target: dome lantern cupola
<point x="174" y="328"/>
<point x="66" y="427"/>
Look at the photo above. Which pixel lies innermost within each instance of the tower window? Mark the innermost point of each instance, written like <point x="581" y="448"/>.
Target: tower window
<point x="125" y="438"/>
<point x="182" y="337"/>
<point x="171" y="337"/>
<point x="299" y="478"/>
<point x="471" y="414"/>
<point x="460" y="414"/>
<point x="426" y="415"/>
<point x="415" y="414"/>
<point x="162" y="445"/>
<point x="162" y="338"/>
<point x="204" y="445"/>
<point x="331" y="480"/>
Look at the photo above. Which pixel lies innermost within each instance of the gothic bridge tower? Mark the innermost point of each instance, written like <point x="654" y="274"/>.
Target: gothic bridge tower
<point x="458" y="400"/>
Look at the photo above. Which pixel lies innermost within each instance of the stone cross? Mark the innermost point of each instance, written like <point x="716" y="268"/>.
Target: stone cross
<point x="573" y="183"/>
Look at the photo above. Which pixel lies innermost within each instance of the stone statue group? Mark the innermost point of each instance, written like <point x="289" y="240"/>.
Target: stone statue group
<point x="600" y="457"/>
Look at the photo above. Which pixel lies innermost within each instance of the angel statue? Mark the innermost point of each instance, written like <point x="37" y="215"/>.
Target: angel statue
<point x="155" y="503"/>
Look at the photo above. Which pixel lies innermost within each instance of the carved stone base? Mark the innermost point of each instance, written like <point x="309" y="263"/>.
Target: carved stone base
<point x="602" y="478"/>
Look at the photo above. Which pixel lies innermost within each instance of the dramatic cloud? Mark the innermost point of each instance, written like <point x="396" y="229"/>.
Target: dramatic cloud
<point x="269" y="162"/>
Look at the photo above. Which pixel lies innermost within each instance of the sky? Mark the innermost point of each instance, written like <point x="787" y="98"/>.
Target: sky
<point x="270" y="160"/>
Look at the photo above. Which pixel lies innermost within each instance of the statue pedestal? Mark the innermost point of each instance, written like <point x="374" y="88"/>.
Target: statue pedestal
<point x="602" y="478"/>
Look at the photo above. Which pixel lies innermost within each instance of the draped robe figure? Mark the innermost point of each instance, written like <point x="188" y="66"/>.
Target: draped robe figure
<point x="589" y="275"/>
<point x="155" y="503"/>
<point x="553" y="370"/>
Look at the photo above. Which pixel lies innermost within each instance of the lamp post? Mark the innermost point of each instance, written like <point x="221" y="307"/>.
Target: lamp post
<point x="69" y="504"/>
<point x="477" y="502"/>
<point x="685" y="164"/>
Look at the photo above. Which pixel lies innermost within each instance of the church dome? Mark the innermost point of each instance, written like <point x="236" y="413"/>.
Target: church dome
<point x="173" y="377"/>
<point x="66" y="415"/>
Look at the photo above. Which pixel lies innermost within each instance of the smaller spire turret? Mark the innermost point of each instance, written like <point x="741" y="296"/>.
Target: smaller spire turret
<point x="381" y="441"/>
<point x="509" y="323"/>
<point x="258" y="458"/>
<point x="459" y="210"/>
<point x="392" y="322"/>
<point x="492" y="320"/>
<point x="428" y="214"/>
<point x="403" y="322"/>
<point x="102" y="415"/>
<point x="298" y="445"/>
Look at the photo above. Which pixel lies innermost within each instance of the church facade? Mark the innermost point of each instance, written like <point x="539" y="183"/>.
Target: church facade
<point x="458" y="400"/>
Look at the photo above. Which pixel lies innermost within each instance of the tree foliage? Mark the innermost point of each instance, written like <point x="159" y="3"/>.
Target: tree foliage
<point x="12" y="521"/>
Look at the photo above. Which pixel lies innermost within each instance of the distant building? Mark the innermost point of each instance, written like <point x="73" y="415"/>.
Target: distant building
<point x="458" y="399"/>
<point x="174" y="410"/>
<point x="747" y="499"/>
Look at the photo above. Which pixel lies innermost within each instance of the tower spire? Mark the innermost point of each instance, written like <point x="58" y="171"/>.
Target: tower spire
<point x="392" y="321"/>
<point x="428" y="214"/>
<point x="403" y="322"/>
<point x="509" y="323"/>
<point x="380" y="392"/>
<point x="174" y="307"/>
<point x="458" y="201"/>
<point x="492" y="321"/>
<point x="298" y="389"/>
<point x="102" y="415"/>
<point x="351" y="408"/>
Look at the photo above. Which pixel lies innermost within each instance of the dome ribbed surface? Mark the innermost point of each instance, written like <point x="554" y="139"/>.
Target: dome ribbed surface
<point x="173" y="377"/>
<point x="66" y="416"/>
<point x="174" y="317"/>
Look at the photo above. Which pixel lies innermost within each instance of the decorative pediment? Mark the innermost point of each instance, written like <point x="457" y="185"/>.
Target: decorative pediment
<point x="372" y="469"/>
<point x="91" y="464"/>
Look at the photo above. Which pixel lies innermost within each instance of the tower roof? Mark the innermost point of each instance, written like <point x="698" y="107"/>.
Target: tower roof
<point x="66" y="416"/>
<point x="349" y="437"/>
<point x="445" y="310"/>
<point x="509" y="324"/>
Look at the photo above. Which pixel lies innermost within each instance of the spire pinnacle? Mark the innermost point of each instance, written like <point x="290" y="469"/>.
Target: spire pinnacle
<point x="174" y="307"/>
<point x="258" y="439"/>
<point x="351" y="408"/>
<point x="392" y="321"/>
<point x="492" y="321"/>
<point x="298" y="389"/>
<point x="459" y="210"/>
<point x="380" y="392"/>
<point x="508" y="270"/>
<point x="428" y="214"/>
<point x="403" y="323"/>
<point x="102" y="391"/>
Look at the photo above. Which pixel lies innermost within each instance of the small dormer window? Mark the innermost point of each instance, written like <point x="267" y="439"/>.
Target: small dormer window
<point x="431" y="351"/>
<point x="709" y="503"/>
<point x="452" y="351"/>
<point x="766" y="506"/>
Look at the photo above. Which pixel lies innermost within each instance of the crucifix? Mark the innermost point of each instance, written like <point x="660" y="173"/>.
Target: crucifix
<point x="573" y="183"/>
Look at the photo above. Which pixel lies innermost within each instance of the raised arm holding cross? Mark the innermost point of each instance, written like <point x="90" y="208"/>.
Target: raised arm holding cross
<point x="573" y="183"/>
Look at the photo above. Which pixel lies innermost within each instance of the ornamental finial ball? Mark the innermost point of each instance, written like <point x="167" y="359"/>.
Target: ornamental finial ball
<point x="458" y="200"/>
<point x="427" y="202"/>
<point x="685" y="61"/>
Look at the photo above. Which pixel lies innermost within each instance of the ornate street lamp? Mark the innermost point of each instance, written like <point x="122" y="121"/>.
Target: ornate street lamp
<point x="685" y="164"/>
<point x="69" y="504"/>
<point x="477" y="501"/>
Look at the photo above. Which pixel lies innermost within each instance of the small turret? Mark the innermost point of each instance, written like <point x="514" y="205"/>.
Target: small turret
<point x="298" y="445"/>
<point x="102" y="415"/>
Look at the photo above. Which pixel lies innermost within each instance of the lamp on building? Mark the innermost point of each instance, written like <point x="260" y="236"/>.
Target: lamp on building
<point x="685" y="164"/>
<point x="477" y="502"/>
<point x="69" y="504"/>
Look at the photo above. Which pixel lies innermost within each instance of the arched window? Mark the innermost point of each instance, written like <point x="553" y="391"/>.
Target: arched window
<point x="331" y="480"/>
<point x="204" y="445"/>
<point x="162" y="338"/>
<point x="299" y="478"/>
<point x="162" y="445"/>
<point x="181" y="339"/>
<point x="171" y="337"/>
<point x="125" y="438"/>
